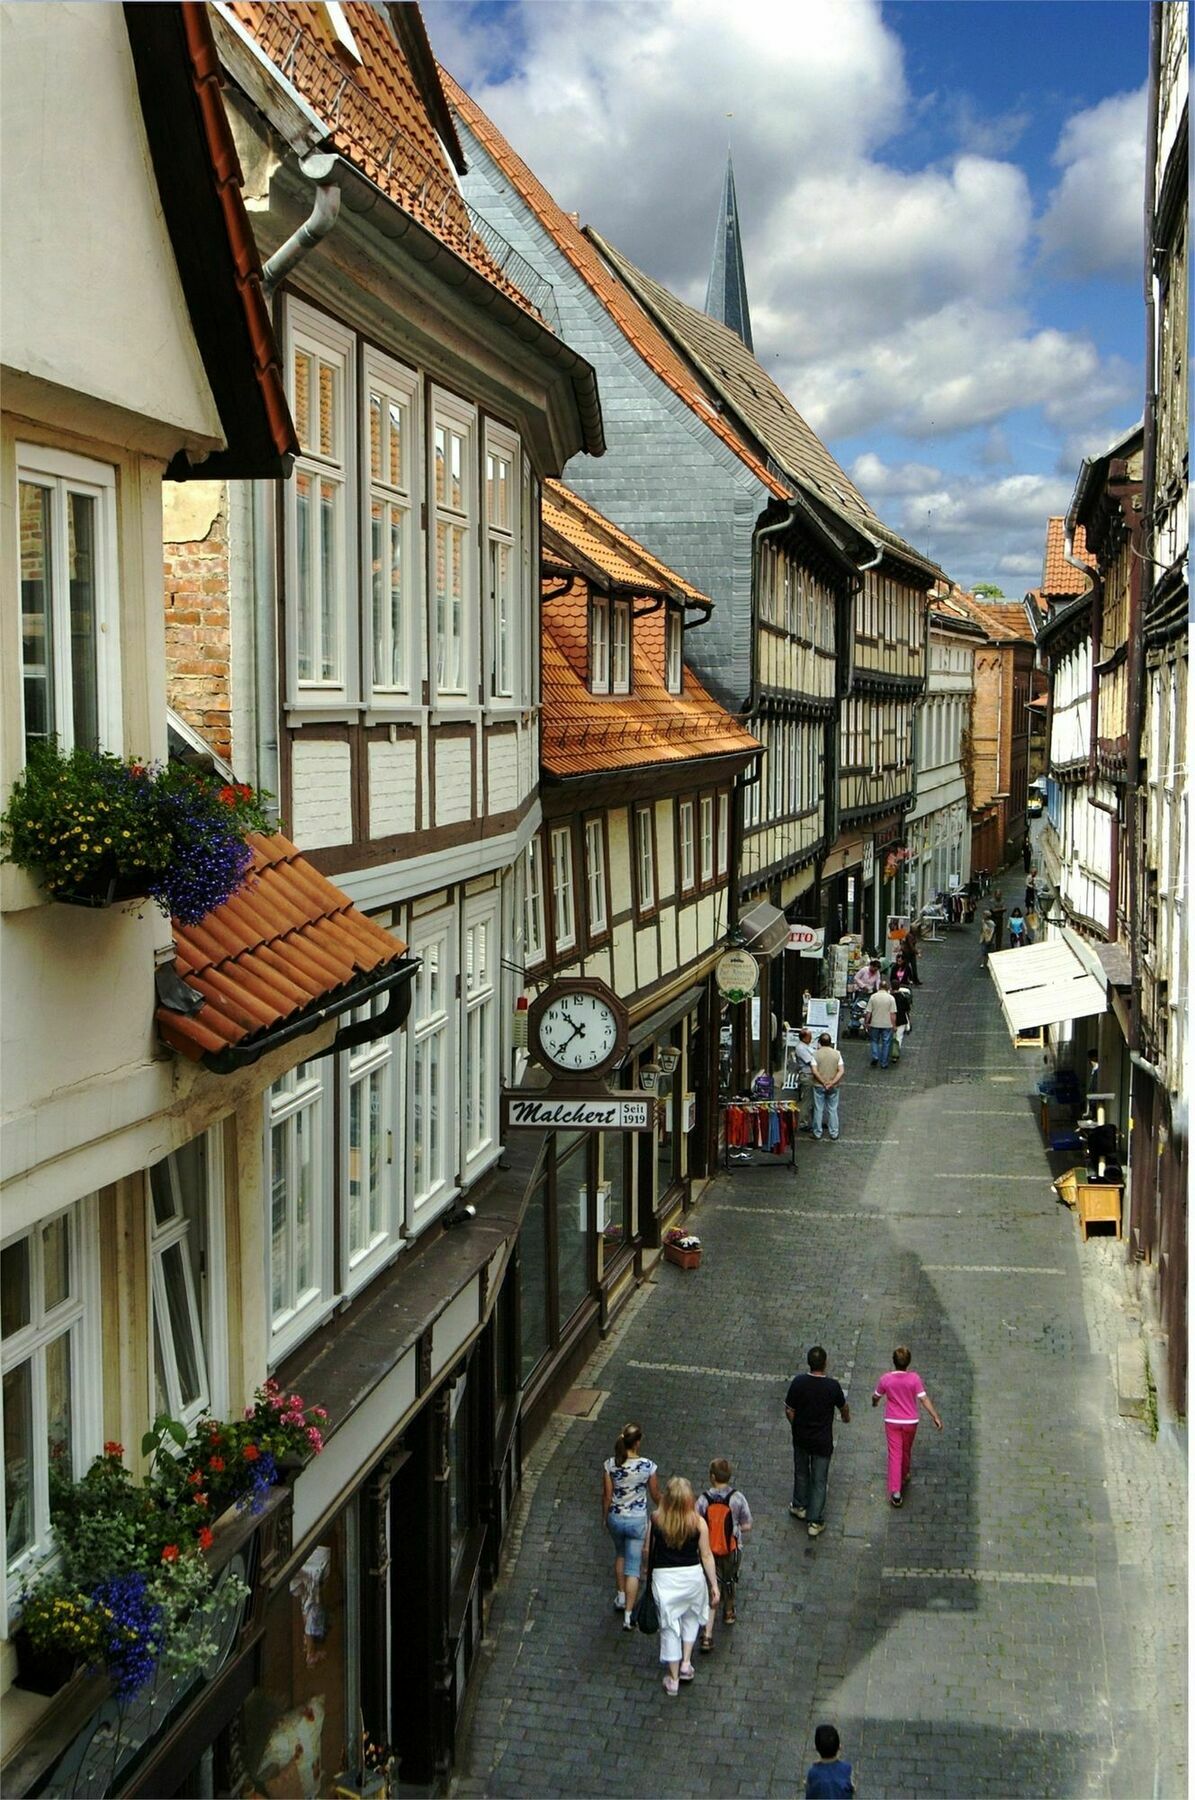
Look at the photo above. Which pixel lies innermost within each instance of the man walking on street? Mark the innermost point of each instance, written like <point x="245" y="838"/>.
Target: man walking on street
<point x="879" y="1016"/>
<point x="827" y="1072"/>
<point x="809" y="1407"/>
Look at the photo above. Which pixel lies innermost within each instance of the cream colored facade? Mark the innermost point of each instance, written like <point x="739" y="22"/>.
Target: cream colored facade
<point x="937" y="831"/>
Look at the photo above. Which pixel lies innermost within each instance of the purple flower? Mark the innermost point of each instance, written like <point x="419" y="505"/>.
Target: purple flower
<point x="132" y="1633"/>
<point x="263" y="1474"/>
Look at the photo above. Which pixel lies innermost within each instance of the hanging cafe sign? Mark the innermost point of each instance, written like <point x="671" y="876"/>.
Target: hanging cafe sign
<point x="737" y="975"/>
<point x="546" y="1111"/>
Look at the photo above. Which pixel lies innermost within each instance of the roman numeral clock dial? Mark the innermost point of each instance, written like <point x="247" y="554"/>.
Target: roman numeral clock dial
<point x="578" y="1028"/>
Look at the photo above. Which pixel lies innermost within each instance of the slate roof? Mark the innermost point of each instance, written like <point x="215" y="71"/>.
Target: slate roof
<point x="639" y="329"/>
<point x="587" y="734"/>
<point x="572" y="529"/>
<point x="1059" y="578"/>
<point x="759" y="404"/>
<point x="288" y="943"/>
<point x="726" y="294"/>
<point x="379" y="117"/>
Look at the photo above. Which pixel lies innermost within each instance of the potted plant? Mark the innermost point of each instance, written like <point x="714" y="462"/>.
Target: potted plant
<point x="131" y="1588"/>
<point x="682" y="1248"/>
<point x="97" y="831"/>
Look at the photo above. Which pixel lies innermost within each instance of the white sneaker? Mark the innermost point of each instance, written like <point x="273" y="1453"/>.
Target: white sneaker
<point x="620" y="1601"/>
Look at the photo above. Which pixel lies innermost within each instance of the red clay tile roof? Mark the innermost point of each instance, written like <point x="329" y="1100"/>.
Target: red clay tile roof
<point x="1004" y="621"/>
<point x="587" y="734"/>
<point x="287" y="941"/>
<point x="639" y="329"/>
<point x="1058" y="576"/>
<point x="573" y="528"/>
<point x="378" y="116"/>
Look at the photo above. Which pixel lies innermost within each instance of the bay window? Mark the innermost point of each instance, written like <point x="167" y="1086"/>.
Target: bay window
<point x="563" y="911"/>
<point x="433" y="1101"/>
<point x="321" y="541"/>
<point x="69" y="613"/>
<point x="534" y="929"/>
<point x="502" y="559"/>
<point x="299" y="1192"/>
<point x="599" y="645"/>
<point x="48" y="1323"/>
<point x="186" y="1256"/>
<point x="595" y="877"/>
<point x="674" y="632"/>
<point x="370" y="1188"/>
<point x="480" y="1035"/>
<point x="454" y="516"/>
<point x="393" y="461"/>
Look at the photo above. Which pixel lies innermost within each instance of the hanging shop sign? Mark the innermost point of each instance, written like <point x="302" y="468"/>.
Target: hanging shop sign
<point x="737" y="975"/>
<point x="522" y="1111"/>
<point x="806" y="940"/>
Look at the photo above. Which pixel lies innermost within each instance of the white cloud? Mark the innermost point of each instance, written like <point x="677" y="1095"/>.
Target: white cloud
<point x="1094" y="222"/>
<point x="977" y="530"/>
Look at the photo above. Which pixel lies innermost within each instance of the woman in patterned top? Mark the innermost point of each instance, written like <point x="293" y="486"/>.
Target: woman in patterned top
<point x="628" y="1479"/>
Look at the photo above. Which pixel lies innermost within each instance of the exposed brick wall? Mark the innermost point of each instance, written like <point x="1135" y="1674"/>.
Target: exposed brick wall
<point x="198" y="643"/>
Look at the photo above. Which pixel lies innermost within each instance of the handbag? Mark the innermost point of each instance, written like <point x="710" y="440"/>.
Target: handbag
<point x="645" y="1613"/>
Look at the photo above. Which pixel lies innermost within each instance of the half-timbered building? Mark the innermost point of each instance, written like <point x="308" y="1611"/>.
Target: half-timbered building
<point x="628" y="880"/>
<point x="372" y="653"/>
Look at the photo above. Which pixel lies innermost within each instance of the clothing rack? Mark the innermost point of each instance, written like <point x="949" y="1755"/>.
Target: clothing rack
<point x="773" y="1121"/>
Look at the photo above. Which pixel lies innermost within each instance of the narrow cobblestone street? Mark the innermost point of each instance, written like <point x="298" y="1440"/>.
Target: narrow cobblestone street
<point x="1018" y="1628"/>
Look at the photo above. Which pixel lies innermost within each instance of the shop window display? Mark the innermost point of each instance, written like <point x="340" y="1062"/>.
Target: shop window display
<point x="533" y="1266"/>
<point x="572" y="1221"/>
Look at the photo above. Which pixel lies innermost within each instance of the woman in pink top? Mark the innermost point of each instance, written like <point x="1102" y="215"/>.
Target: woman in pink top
<point x="902" y="1388"/>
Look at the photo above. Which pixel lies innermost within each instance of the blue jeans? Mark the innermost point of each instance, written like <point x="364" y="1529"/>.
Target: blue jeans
<point x="825" y="1105"/>
<point x="881" y="1044"/>
<point x="628" y="1534"/>
<point x="810" y="1476"/>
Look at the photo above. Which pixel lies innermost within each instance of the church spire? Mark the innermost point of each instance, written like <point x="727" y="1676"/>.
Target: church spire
<point x="726" y="296"/>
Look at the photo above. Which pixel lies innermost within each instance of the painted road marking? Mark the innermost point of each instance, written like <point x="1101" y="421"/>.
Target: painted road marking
<point x="695" y="1369"/>
<point x="1012" y="1577"/>
<point x="980" y="1175"/>
<point x="987" y="1269"/>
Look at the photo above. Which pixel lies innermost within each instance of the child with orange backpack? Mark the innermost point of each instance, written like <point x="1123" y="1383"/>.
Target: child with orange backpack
<point x="728" y="1518"/>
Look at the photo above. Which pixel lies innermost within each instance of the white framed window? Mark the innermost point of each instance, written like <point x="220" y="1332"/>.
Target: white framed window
<point x="454" y="534"/>
<point x="674" y="637"/>
<point x="432" y="1048"/>
<point x="503" y="563"/>
<point x="49" y="1355"/>
<point x="599" y="644"/>
<point x="298" y="1168"/>
<point x="723" y="834"/>
<point x="535" y="942"/>
<point x="620" y="646"/>
<point x="390" y="453"/>
<point x="70" y="613"/>
<point x="186" y="1255"/>
<point x="595" y="877"/>
<point x="370" y="1227"/>
<point x="707" y="839"/>
<point x="479" y="1076"/>
<point x="688" y="849"/>
<point x="320" y="552"/>
<point x="529" y="614"/>
<point x="645" y="859"/>
<point x="563" y="908"/>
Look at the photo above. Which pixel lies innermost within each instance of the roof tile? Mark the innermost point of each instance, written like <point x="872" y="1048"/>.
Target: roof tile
<point x="287" y="940"/>
<point x="1059" y="577"/>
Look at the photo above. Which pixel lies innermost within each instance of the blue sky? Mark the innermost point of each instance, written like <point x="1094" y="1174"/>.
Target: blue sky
<point x="941" y="206"/>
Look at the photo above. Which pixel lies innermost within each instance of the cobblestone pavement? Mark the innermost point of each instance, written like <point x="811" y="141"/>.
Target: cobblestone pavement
<point x="1018" y="1628"/>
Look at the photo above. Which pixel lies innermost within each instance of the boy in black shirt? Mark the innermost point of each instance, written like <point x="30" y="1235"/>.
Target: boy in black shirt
<point x="809" y="1406"/>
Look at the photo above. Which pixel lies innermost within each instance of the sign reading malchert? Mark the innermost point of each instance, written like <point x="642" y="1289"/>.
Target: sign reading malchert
<point x="578" y="1112"/>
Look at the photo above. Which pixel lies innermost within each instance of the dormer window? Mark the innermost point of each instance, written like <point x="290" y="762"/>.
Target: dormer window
<point x="620" y="647"/>
<point x="599" y="646"/>
<point x="674" y="632"/>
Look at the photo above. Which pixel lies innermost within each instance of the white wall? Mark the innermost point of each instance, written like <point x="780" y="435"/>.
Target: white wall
<point x="92" y="298"/>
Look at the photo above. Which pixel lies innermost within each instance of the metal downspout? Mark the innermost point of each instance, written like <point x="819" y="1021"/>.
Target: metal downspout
<point x="318" y="167"/>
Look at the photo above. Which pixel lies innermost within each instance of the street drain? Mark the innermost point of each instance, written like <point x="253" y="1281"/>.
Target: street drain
<point x="583" y="1402"/>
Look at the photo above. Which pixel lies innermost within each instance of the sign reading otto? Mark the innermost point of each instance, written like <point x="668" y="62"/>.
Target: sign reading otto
<point x="523" y="1111"/>
<point x="737" y="975"/>
<point x="806" y="940"/>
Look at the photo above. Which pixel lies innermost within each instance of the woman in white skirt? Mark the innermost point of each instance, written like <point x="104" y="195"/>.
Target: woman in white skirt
<point x="684" y="1579"/>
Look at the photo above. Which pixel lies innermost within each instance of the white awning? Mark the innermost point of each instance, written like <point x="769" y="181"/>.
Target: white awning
<point x="1044" y="984"/>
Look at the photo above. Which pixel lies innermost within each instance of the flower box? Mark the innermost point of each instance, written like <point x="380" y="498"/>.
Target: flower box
<point x="684" y="1259"/>
<point x="41" y="1671"/>
<point x="117" y="892"/>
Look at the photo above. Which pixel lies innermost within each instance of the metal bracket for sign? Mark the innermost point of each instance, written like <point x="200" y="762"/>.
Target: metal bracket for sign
<point x="524" y="1109"/>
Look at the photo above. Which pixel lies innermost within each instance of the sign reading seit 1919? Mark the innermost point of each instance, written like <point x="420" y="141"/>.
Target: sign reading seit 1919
<point x="578" y="1112"/>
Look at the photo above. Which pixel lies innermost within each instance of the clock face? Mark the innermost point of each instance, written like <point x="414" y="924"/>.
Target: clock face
<point x="577" y="1032"/>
